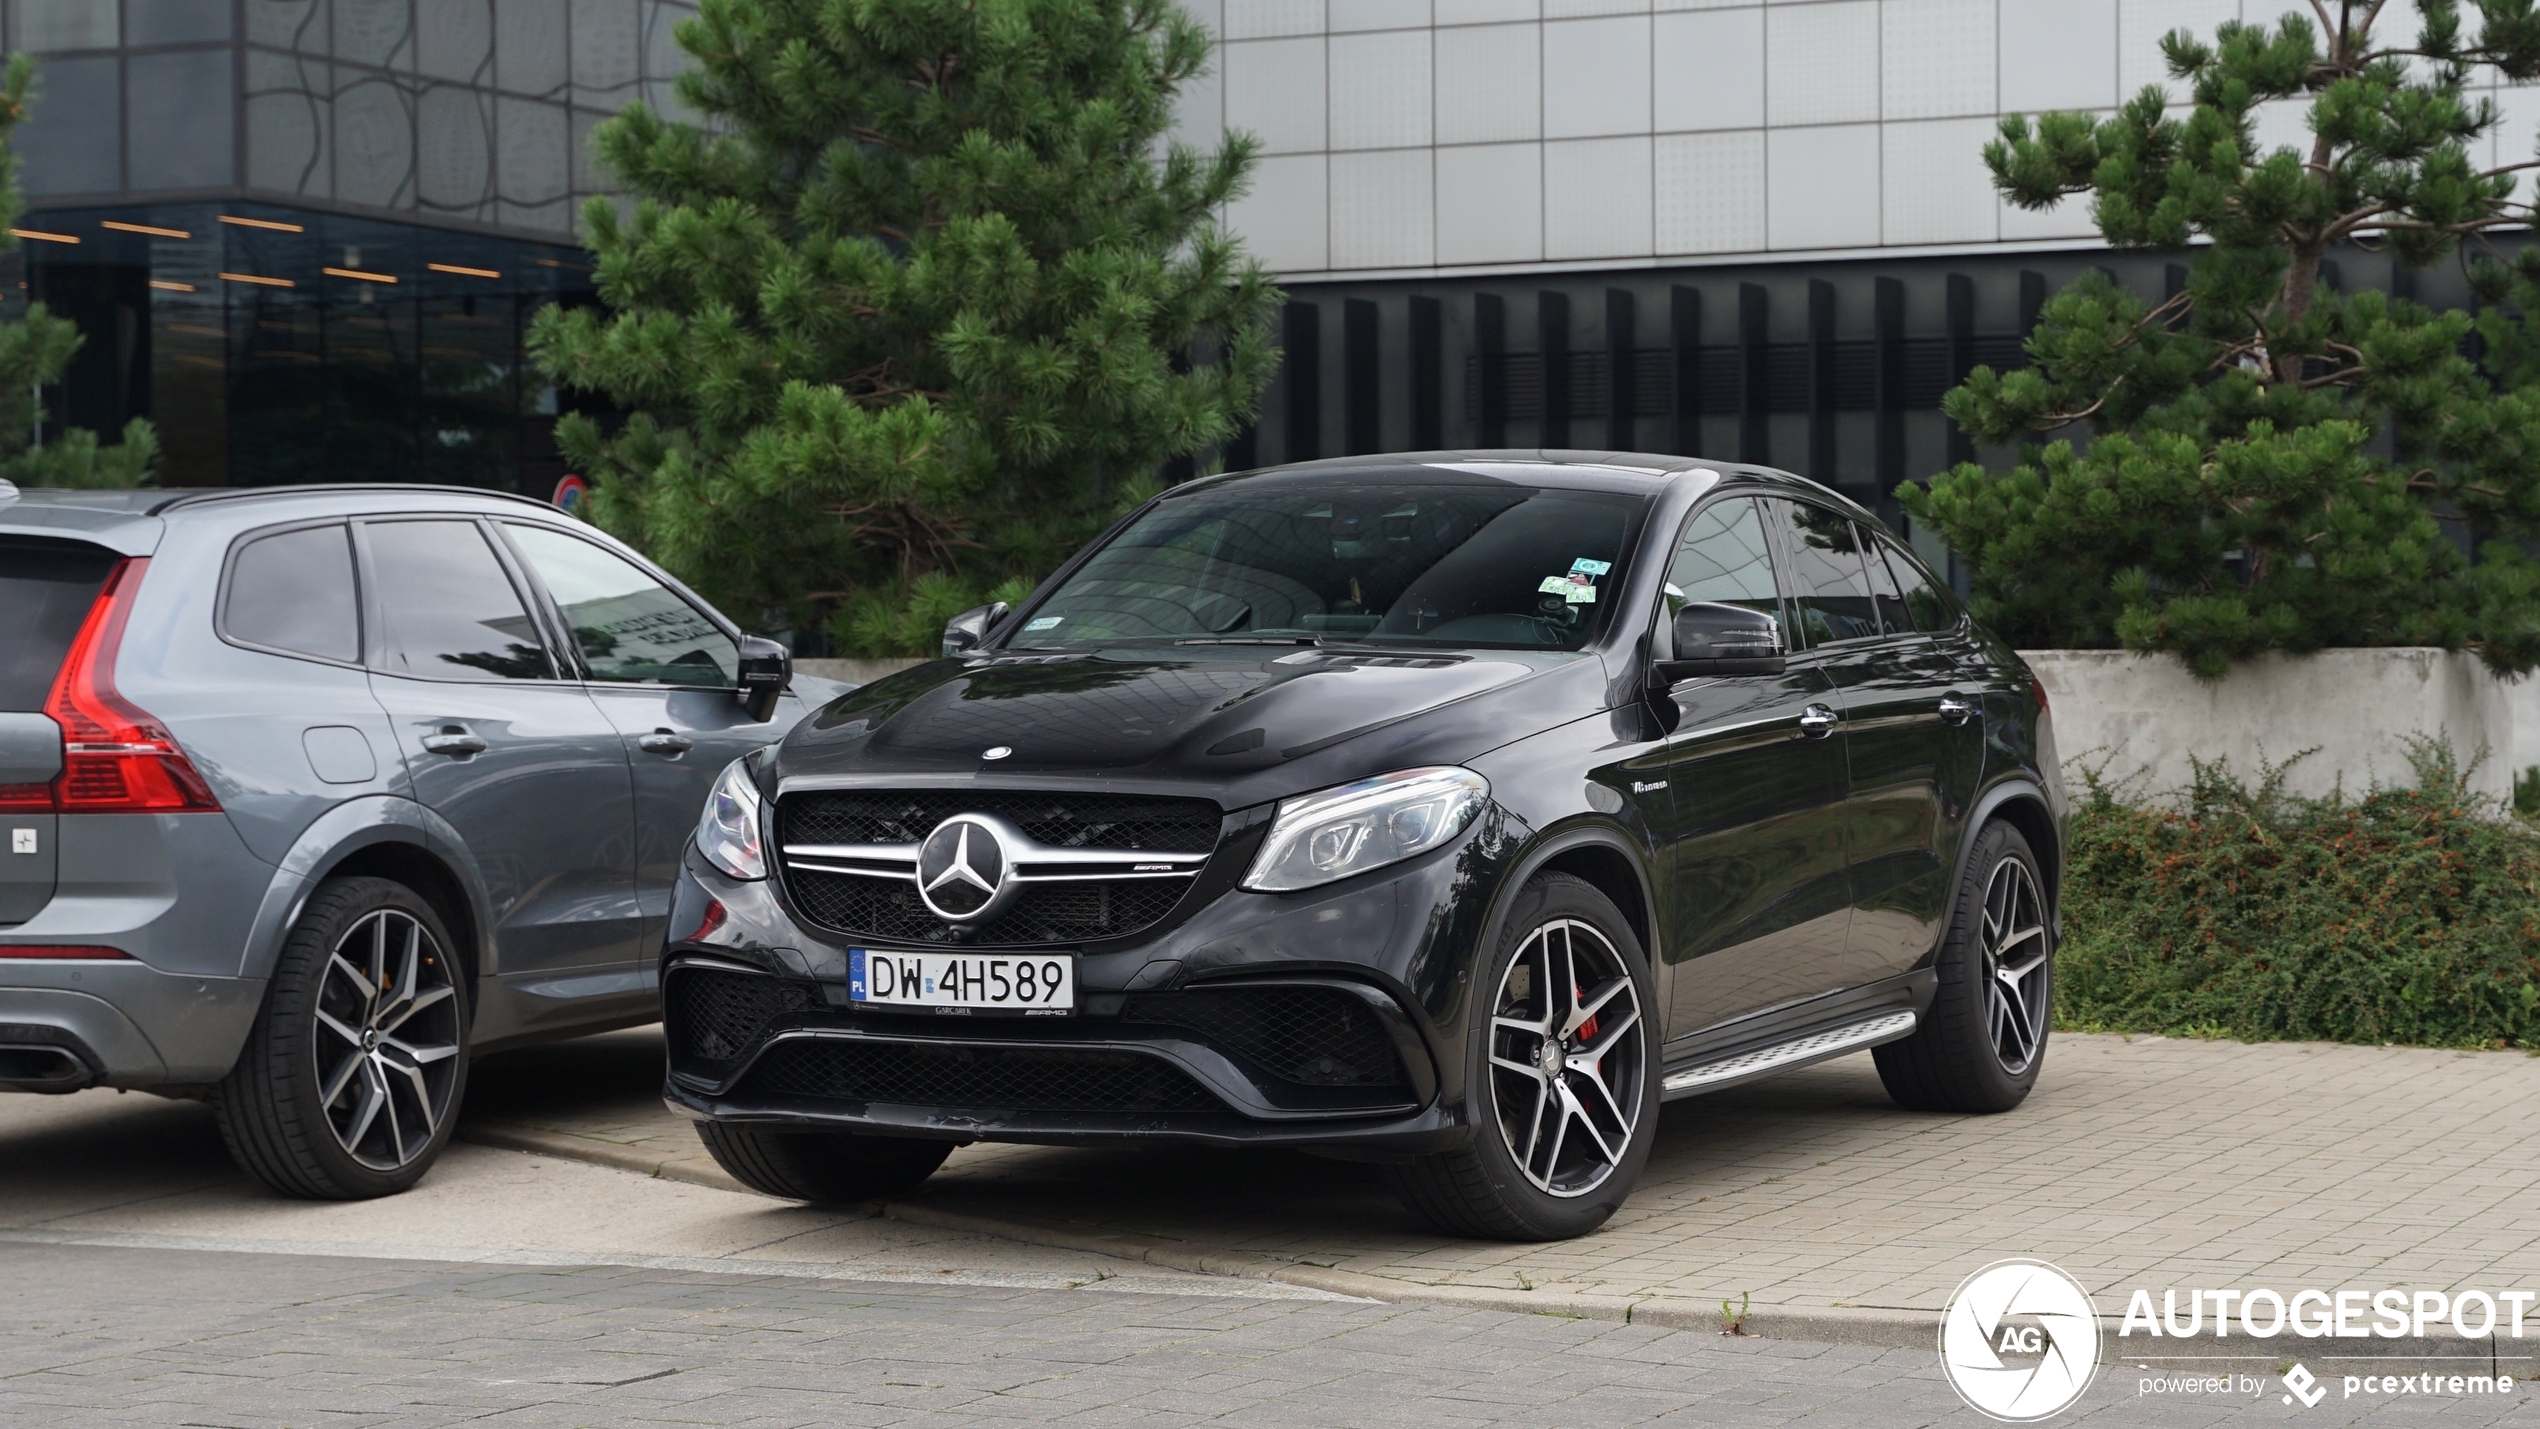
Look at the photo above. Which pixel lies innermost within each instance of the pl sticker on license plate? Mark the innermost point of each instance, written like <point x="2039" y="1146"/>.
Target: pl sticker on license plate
<point x="1025" y="984"/>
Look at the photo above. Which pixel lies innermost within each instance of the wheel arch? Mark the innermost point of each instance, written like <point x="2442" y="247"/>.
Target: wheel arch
<point x="382" y="837"/>
<point x="1601" y="855"/>
<point x="2022" y="805"/>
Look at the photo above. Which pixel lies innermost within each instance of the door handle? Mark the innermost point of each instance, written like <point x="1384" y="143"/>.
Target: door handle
<point x="1816" y="722"/>
<point x="664" y="741"/>
<point x="455" y="741"/>
<point x="1956" y="708"/>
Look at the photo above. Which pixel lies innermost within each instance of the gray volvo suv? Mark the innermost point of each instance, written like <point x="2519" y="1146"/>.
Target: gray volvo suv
<point x="309" y="792"/>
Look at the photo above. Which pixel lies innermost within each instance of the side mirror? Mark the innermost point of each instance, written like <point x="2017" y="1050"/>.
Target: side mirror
<point x="1717" y="639"/>
<point x="969" y="630"/>
<point x="766" y="668"/>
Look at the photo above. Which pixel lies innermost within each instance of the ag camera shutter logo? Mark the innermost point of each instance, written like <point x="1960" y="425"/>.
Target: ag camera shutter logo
<point x="2019" y="1341"/>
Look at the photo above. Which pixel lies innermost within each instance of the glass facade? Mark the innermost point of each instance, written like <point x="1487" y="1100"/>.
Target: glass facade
<point x="274" y="345"/>
<point x="306" y="237"/>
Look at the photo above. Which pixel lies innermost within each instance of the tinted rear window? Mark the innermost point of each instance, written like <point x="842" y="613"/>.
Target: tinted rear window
<point x="294" y="591"/>
<point x="46" y="588"/>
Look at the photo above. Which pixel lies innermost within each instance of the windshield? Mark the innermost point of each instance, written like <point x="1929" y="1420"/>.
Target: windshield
<point x="1489" y="565"/>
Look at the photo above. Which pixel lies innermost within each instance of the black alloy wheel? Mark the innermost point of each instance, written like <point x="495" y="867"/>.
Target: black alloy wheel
<point x="1984" y="1040"/>
<point x="1562" y="1087"/>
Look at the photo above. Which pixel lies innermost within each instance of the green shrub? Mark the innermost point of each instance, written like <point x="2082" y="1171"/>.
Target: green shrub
<point x="2411" y="916"/>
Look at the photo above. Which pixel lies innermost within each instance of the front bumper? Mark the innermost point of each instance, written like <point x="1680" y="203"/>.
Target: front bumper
<point x="1207" y="1031"/>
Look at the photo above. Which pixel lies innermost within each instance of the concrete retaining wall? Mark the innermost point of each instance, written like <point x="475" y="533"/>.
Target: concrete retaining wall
<point x="2142" y="716"/>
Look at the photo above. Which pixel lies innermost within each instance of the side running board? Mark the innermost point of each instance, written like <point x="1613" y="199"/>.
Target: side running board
<point x="1783" y="1056"/>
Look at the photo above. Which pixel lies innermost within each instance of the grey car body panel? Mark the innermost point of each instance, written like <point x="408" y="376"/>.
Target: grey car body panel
<point x="30" y="753"/>
<point x="203" y="903"/>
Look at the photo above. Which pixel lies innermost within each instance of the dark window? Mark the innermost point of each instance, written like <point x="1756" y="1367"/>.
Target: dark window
<point x="1409" y="562"/>
<point x="447" y="611"/>
<point x="628" y="625"/>
<point x="1723" y="557"/>
<point x="1927" y="609"/>
<point x="46" y="588"/>
<point x="294" y="591"/>
<point x="1889" y="596"/>
<point x="1828" y="583"/>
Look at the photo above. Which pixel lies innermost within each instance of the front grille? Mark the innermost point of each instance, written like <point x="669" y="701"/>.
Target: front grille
<point x="1066" y="820"/>
<point x="887" y="908"/>
<point x="1070" y="912"/>
<point x="716" y="1016"/>
<point x="977" y="1078"/>
<point x="1312" y="1036"/>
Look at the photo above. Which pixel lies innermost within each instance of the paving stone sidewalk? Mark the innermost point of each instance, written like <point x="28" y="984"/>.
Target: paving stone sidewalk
<point x="2138" y="1162"/>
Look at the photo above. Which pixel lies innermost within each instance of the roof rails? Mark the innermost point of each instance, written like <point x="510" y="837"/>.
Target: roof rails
<point x="362" y="488"/>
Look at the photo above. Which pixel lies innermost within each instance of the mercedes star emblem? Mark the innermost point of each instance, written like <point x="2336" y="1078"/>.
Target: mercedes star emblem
<point x="962" y="868"/>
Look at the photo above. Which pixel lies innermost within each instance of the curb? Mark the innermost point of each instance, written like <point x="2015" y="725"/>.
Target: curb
<point x="1885" y="1329"/>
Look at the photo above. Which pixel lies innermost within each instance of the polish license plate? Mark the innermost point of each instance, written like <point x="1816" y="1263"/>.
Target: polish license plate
<point x="1025" y="984"/>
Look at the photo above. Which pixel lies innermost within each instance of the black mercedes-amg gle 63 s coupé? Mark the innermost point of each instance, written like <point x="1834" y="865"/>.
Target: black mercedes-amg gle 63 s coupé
<point x="1447" y="811"/>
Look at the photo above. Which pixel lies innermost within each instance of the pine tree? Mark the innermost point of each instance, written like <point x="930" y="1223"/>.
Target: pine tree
<point x="35" y="350"/>
<point x="921" y="304"/>
<point x="2273" y="464"/>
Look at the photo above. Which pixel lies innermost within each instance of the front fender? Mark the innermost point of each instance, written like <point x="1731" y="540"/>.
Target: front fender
<point x="338" y="834"/>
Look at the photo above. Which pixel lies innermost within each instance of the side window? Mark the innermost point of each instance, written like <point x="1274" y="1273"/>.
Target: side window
<point x="630" y="627"/>
<point x="1828" y="583"/>
<point x="1723" y="557"/>
<point x="1884" y="591"/>
<point x="1928" y="610"/>
<point x="293" y="590"/>
<point x="447" y="609"/>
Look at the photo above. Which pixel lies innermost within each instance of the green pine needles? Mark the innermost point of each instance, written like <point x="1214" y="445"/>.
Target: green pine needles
<point x="922" y="303"/>
<point x="2272" y="463"/>
<point x="35" y="350"/>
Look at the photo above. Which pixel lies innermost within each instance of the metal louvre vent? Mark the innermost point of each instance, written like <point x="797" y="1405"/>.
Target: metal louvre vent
<point x="850" y="860"/>
<point x="1312" y="1036"/>
<point x="1113" y="821"/>
<point x="977" y="1078"/>
<point x="718" y="1016"/>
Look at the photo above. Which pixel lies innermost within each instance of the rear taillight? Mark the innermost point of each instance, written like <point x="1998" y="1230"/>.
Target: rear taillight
<point x="116" y="758"/>
<point x="2037" y="691"/>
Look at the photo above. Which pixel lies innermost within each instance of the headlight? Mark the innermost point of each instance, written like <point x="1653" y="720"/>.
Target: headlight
<point x="728" y="834"/>
<point x="1356" y="827"/>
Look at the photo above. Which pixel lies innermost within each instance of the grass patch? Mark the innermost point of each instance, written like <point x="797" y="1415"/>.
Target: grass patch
<point x="2409" y="916"/>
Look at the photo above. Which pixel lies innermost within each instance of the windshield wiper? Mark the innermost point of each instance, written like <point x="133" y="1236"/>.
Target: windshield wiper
<point x="1250" y="640"/>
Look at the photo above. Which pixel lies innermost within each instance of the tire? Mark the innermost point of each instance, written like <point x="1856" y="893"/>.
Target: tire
<point x="1980" y="1048"/>
<point x="1509" y="1183"/>
<point x="366" y="1002"/>
<point x="826" y="1168"/>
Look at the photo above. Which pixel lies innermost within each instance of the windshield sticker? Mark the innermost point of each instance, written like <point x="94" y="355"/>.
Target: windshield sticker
<point x="1585" y="567"/>
<point x="1580" y="595"/>
<point x="1554" y="585"/>
<point x="1046" y="622"/>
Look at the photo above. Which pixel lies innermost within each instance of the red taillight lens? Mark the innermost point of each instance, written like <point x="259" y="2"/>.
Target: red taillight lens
<point x="116" y="759"/>
<point x="2037" y="688"/>
<point x="64" y="951"/>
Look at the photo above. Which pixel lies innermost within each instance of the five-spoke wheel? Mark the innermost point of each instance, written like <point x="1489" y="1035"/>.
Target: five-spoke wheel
<point x="354" y="1070"/>
<point x="2016" y="951"/>
<point x="1560" y="1089"/>
<point x="387" y="1040"/>
<point x="1981" y="1043"/>
<point x="1566" y="1063"/>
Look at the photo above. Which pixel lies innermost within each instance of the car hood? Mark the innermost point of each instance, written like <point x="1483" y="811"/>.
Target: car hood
<point x="1239" y="724"/>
